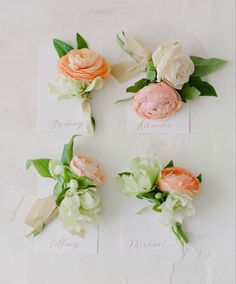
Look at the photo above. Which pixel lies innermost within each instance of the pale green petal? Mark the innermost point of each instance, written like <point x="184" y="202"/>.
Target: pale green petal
<point x="145" y="174"/>
<point x="129" y="185"/>
<point x="66" y="88"/>
<point x="90" y="199"/>
<point x="96" y="84"/>
<point x="55" y="168"/>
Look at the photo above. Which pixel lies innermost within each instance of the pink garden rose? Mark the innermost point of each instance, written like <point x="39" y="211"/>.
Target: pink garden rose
<point x="84" y="166"/>
<point x="178" y="179"/>
<point x="156" y="101"/>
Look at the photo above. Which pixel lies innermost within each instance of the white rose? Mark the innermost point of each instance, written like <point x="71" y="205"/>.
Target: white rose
<point x="176" y="208"/>
<point x="173" y="64"/>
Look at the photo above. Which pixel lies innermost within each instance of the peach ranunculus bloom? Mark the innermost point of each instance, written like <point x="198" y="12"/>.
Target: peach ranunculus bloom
<point x="156" y="101"/>
<point x="85" y="166"/>
<point x="83" y="64"/>
<point x="180" y="180"/>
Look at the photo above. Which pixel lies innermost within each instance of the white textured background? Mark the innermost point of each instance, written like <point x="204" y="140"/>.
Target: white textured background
<point x="209" y="148"/>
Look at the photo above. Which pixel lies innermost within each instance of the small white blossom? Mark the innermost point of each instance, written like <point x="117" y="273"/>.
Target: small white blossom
<point x="66" y="88"/>
<point x="56" y="168"/>
<point x="176" y="208"/>
<point x="73" y="184"/>
<point x="77" y="210"/>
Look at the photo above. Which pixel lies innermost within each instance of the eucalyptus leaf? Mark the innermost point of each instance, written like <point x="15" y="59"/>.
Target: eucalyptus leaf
<point x="67" y="153"/>
<point x="81" y="42"/>
<point x="203" y="87"/>
<point x="138" y="85"/>
<point x="124" y="100"/>
<point x="204" y="66"/>
<point x="61" y="47"/>
<point x="41" y="165"/>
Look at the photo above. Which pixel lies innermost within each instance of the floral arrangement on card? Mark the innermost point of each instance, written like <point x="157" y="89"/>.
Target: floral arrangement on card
<point x="75" y="195"/>
<point x="170" y="190"/>
<point x="173" y="77"/>
<point x="80" y="71"/>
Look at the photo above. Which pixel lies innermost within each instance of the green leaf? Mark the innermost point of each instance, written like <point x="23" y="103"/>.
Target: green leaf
<point x="169" y="165"/>
<point x="151" y="75"/>
<point x="204" y="87"/>
<point x="93" y="123"/>
<point x="138" y="85"/>
<point x="61" y="196"/>
<point x="150" y="196"/>
<point x="67" y="153"/>
<point x="81" y="42"/>
<point x="124" y="173"/>
<point x="199" y="177"/>
<point x="68" y="174"/>
<point x="189" y="93"/>
<point x="124" y="100"/>
<point x="151" y="72"/>
<point x="61" y="47"/>
<point x="204" y="66"/>
<point x="41" y="165"/>
<point x="84" y="182"/>
<point x="57" y="189"/>
<point x="156" y="207"/>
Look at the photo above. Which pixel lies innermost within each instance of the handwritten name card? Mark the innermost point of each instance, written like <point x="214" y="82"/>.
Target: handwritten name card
<point x="55" y="238"/>
<point x="176" y="124"/>
<point x="142" y="233"/>
<point x="54" y="115"/>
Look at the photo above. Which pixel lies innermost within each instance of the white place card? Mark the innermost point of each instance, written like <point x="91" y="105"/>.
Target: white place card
<point x="142" y="233"/>
<point x="54" y="115"/>
<point x="55" y="238"/>
<point x="176" y="124"/>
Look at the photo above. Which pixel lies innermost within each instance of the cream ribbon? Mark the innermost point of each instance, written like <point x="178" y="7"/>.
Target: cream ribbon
<point x="43" y="212"/>
<point x="124" y="71"/>
<point x="86" y="108"/>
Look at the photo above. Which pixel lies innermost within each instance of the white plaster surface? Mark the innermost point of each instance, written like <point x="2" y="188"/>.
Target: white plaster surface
<point x="26" y="24"/>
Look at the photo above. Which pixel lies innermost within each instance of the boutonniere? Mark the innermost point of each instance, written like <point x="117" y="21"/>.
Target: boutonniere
<point x="75" y="196"/>
<point x="80" y="71"/>
<point x="172" y="77"/>
<point x="171" y="191"/>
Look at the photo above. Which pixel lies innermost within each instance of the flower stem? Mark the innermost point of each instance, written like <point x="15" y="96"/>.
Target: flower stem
<point x="179" y="233"/>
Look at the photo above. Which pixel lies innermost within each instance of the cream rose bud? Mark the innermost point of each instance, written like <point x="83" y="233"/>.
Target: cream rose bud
<point x="73" y="184"/>
<point x="173" y="64"/>
<point x="90" y="199"/>
<point x="56" y="168"/>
